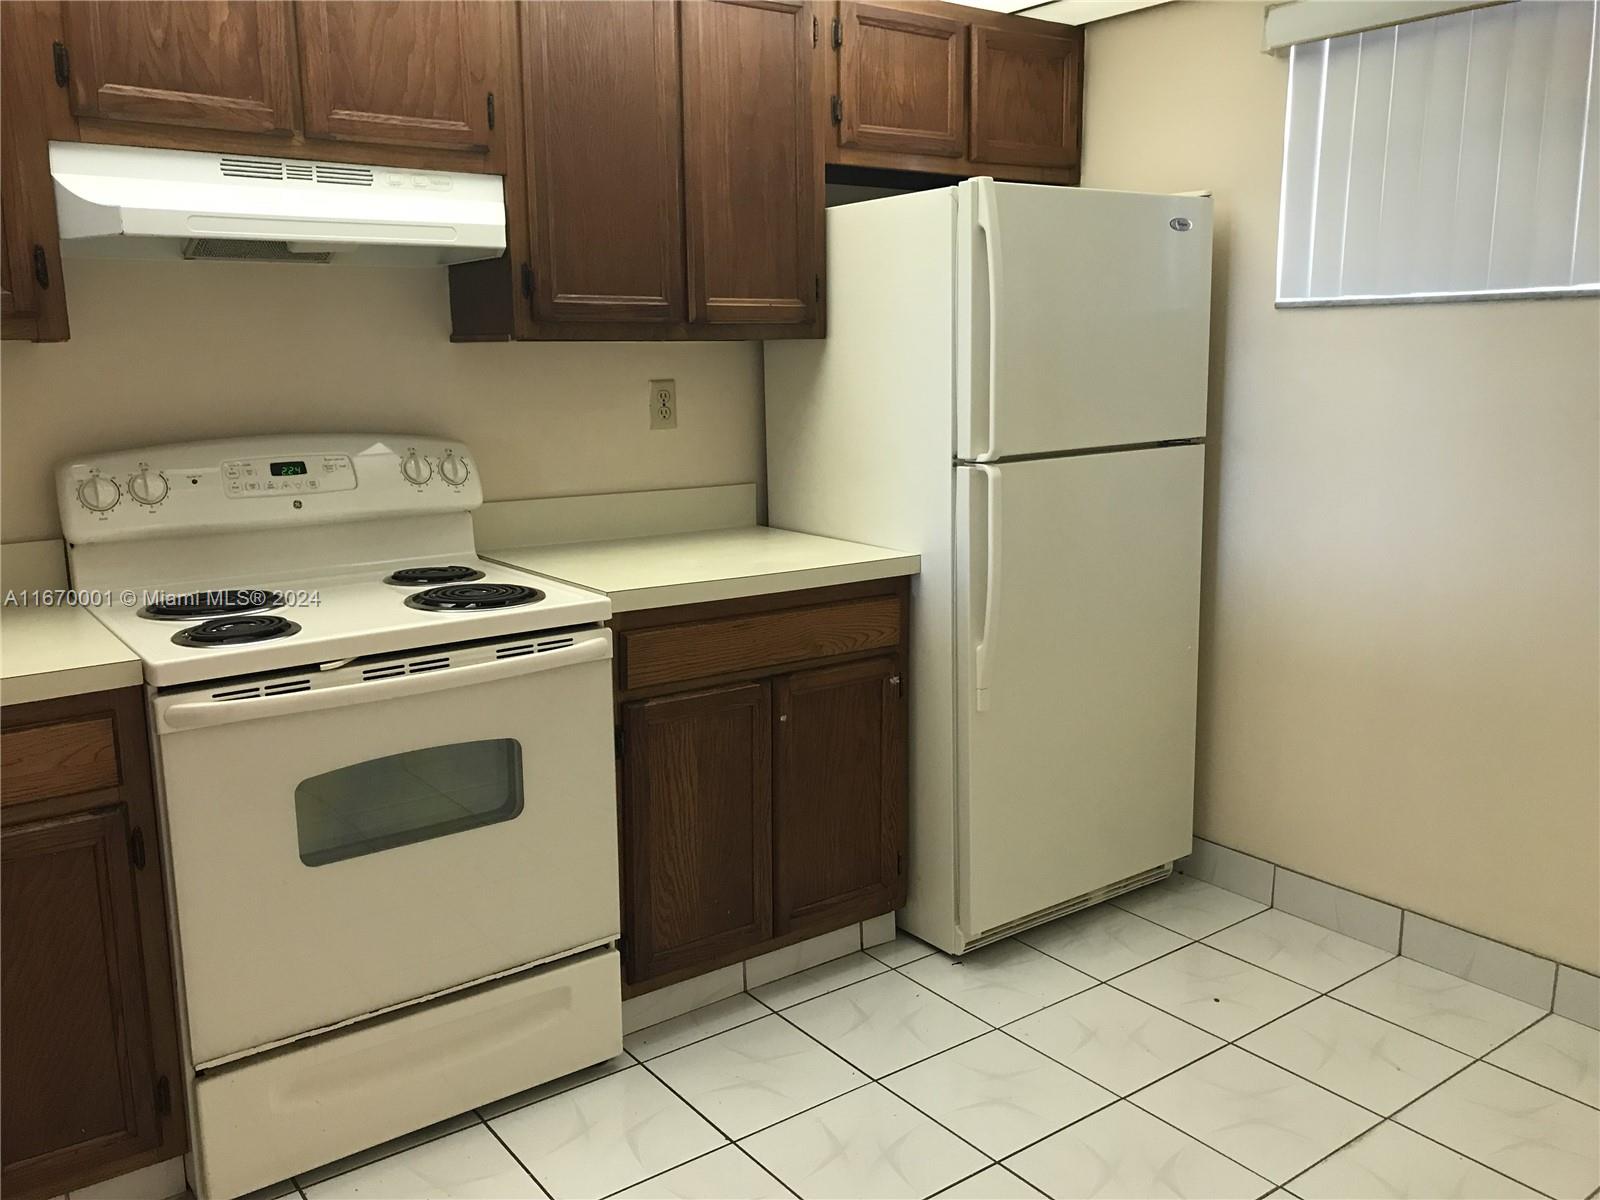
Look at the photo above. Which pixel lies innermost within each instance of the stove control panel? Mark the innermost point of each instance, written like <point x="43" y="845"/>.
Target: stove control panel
<point x="262" y="482"/>
<point x="258" y="478"/>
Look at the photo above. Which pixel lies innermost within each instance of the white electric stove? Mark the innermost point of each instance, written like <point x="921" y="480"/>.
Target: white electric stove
<point x="387" y="787"/>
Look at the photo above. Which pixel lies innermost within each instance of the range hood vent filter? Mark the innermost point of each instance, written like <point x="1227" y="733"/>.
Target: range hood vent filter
<point x="276" y="169"/>
<point x="240" y="250"/>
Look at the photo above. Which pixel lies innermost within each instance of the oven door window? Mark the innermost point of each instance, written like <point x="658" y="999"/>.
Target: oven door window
<point x="404" y="798"/>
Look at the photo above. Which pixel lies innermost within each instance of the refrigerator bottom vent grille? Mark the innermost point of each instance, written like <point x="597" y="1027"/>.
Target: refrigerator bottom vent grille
<point x="1121" y="886"/>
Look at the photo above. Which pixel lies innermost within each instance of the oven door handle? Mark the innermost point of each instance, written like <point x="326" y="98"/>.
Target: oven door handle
<point x="184" y="715"/>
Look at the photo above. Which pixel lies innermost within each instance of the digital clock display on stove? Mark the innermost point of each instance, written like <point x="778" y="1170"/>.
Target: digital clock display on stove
<point x="288" y="468"/>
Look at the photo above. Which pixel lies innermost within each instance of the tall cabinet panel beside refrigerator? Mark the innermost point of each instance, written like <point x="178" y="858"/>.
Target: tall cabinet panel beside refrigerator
<point x="1014" y="385"/>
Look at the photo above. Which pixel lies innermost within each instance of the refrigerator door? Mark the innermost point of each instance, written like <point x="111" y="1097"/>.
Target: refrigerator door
<point x="1087" y="318"/>
<point x="1077" y="606"/>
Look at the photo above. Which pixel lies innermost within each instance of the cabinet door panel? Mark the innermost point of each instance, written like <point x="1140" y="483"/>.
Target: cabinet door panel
<point x="753" y="194"/>
<point x="412" y="72"/>
<point x="604" y="130"/>
<point x="902" y="81"/>
<point x="697" y="792"/>
<point x="839" y="798"/>
<point x="77" y="1041"/>
<point x="214" y="64"/>
<point x="1026" y="91"/>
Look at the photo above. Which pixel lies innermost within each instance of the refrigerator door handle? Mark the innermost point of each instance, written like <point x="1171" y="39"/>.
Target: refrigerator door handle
<point x="984" y="652"/>
<point x="989" y="227"/>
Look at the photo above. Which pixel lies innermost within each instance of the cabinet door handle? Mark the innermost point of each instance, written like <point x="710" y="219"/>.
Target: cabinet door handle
<point x="41" y="267"/>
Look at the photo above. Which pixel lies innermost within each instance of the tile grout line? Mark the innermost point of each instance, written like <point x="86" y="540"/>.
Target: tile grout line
<point x="515" y="1157"/>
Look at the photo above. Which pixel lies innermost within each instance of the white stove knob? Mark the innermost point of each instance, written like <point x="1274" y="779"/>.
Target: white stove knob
<point x="148" y="487"/>
<point x="99" y="493"/>
<point x="453" y="470"/>
<point x="416" y="468"/>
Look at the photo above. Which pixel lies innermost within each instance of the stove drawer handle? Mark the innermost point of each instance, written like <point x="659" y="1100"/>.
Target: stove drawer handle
<point x="200" y="714"/>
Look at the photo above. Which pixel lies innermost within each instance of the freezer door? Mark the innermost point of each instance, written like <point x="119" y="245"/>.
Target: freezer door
<point x="1077" y="606"/>
<point x="1087" y="318"/>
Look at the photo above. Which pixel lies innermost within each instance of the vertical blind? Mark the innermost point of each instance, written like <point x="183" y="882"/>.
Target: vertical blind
<point x="1451" y="157"/>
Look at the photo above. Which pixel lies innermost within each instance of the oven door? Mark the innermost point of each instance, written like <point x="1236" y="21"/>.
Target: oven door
<point x="351" y="840"/>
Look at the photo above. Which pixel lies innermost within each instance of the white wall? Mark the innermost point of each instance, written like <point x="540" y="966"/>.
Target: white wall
<point x="174" y="351"/>
<point x="1399" y="685"/>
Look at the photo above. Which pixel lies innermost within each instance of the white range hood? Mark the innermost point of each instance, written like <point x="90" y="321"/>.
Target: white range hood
<point x="125" y="201"/>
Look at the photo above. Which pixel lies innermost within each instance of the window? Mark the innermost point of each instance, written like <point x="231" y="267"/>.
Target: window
<point x="404" y="798"/>
<point x="1450" y="158"/>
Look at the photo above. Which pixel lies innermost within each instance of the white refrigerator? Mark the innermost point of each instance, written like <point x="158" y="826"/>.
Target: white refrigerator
<point x="1014" y="385"/>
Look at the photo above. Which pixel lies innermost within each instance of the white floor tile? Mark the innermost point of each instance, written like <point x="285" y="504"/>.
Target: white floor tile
<point x="1103" y="941"/>
<point x="1115" y="1040"/>
<point x="1219" y="993"/>
<point x="1309" y="954"/>
<point x="992" y="1183"/>
<point x="556" y="1086"/>
<point x="814" y="981"/>
<point x="867" y="1144"/>
<point x="1538" y="1137"/>
<point x="885" y="1023"/>
<point x="1471" y="1018"/>
<point x="1188" y="906"/>
<point x="997" y="1093"/>
<point x="1122" y="1152"/>
<point x="656" y="1040"/>
<point x="471" y="1162"/>
<point x="372" y="1153"/>
<point x="1558" y="1053"/>
<point x="1392" y="1163"/>
<point x="755" y="1075"/>
<point x="605" y="1135"/>
<point x="726" y="1174"/>
<point x="1256" y="1113"/>
<point x="1361" y="1057"/>
<point x="903" y="949"/>
<point x="999" y="983"/>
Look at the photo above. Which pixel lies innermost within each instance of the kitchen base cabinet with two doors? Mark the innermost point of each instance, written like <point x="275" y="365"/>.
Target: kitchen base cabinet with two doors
<point x="762" y="760"/>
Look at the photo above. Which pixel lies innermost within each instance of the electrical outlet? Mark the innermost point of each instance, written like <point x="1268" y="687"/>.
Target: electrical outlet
<point x="663" y="404"/>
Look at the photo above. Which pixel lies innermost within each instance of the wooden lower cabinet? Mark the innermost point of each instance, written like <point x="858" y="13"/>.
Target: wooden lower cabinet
<point x="839" y="795"/>
<point x="763" y="785"/>
<point x="87" y="1029"/>
<point x="698" y="805"/>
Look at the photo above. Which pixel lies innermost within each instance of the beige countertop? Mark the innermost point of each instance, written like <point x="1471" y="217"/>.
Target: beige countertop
<point x="46" y="652"/>
<point x="720" y="564"/>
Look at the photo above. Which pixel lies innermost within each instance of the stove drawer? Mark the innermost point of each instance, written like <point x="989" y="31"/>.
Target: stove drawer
<point x="285" y="1112"/>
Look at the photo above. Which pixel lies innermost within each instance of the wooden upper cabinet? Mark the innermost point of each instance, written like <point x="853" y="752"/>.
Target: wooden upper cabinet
<point x="211" y="64"/>
<point x="77" y="1036"/>
<point x="32" y="305"/>
<point x="697" y="810"/>
<point x="839" y="795"/>
<point x="406" y="72"/>
<point x="1026" y="93"/>
<point x="902" y="81"/>
<point x="603" y="126"/>
<point x="752" y="175"/>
